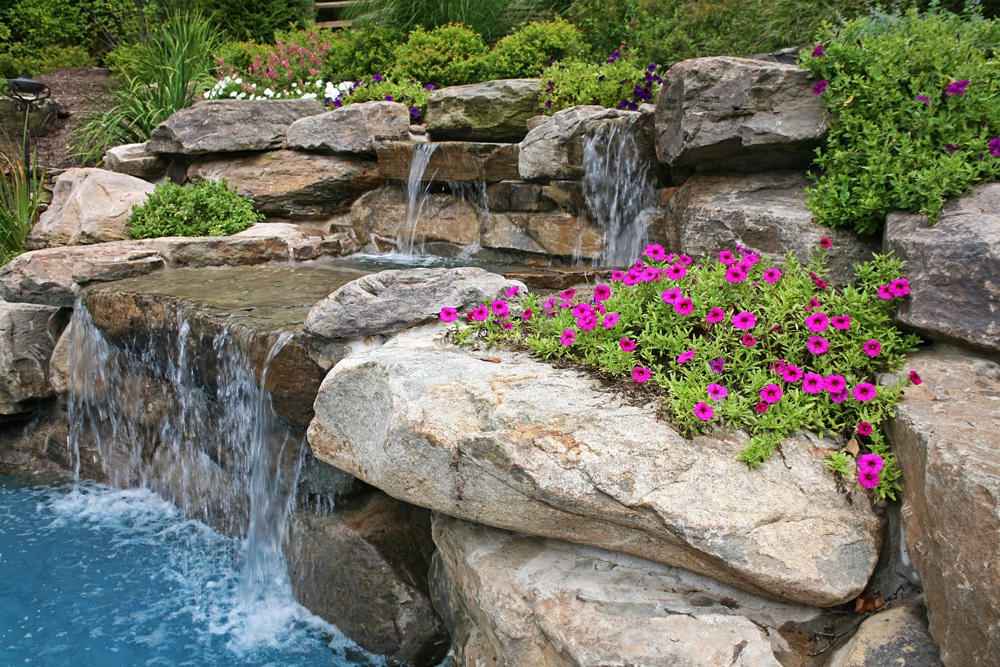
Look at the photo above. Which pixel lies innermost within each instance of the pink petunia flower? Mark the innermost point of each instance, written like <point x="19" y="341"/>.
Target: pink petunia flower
<point x="825" y="242"/>
<point x="813" y="304"/>
<point x="923" y="98"/>
<point x="568" y="294"/>
<point x="744" y="321"/>
<point x="716" y="391"/>
<point x="838" y="397"/>
<point x="872" y="347"/>
<point x="820" y="87"/>
<point x="507" y="325"/>
<point x="684" y="307"/>
<point x="626" y="344"/>
<point x="869" y="461"/>
<point x="900" y="287"/>
<point x="761" y="407"/>
<point x="500" y="308"/>
<point x="792" y="373"/>
<point x="842" y="322"/>
<point x="676" y="272"/>
<point x="868" y="478"/>
<point x="703" y="411"/>
<point x="684" y="260"/>
<point x="568" y="337"/>
<point x="864" y="428"/>
<point x="526" y="315"/>
<point x="655" y="252"/>
<point x="617" y="276"/>
<point x="779" y="367"/>
<point x="915" y="377"/>
<point x="581" y="309"/>
<point x="735" y="274"/>
<point x="587" y="322"/>
<point x="672" y="296"/>
<point x="512" y="292"/>
<point x="715" y="315"/>
<point x="684" y="357"/>
<point x="865" y="391"/>
<point x="480" y="312"/>
<point x="610" y="320"/>
<point x="602" y="292"/>
<point x="957" y="87"/>
<point x="812" y="383"/>
<point x="818" y="52"/>
<point x="448" y="315"/>
<point x="885" y="292"/>
<point x="640" y="374"/>
<point x="772" y="275"/>
<point x="817" y="345"/>
<point x="726" y="257"/>
<point x="771" y="393"/>
<point x="748" y="340"/>
<point x="817" y="322"/>
<point x="834" y="383"/>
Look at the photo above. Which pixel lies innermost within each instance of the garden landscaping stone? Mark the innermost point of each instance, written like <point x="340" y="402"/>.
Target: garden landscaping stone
<point x="737" y="113"/>
<point x="945" y="437"/>
<point x="512" y="599"/>
<point x="393" y="300"/>
<point x="765" y="212"/>
<point x="451" y="162"/>
<point x="88" y="206"/>
<point x="518" y="196"/>
<point x="554" y="149"/>
<point x="895" y="636"/>
<point x="230" y="126"/>
<point x="304" y="243"/>
<point x="953" y="268"/>
<point x="363" y="567"/>
<point x="443" y="218"/>
<point x="502" y="439"/>
<point x="290" y="183"/>
<point x="559" y="234"/>
<point x="28" y="334"/>
<point x="135" y="160"/>
<point x="488" y="111"/>
<point x="350" y="129"/>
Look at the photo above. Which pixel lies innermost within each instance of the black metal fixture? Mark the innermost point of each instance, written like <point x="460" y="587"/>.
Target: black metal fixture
<point x="27" y="94"/>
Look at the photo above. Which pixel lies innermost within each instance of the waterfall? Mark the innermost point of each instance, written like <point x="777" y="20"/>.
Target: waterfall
<point x="416" y="197"/>
<point x="474" y="193"/>
<point x="618" y="183"/>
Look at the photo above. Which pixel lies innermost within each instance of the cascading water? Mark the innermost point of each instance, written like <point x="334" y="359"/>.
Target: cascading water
<point x="474" y="193"/>
<point x="416" y="197"/>
<point x="618" y="183"/>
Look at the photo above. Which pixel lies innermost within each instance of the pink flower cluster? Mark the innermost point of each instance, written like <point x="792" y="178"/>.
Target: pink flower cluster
<point x="869" y="466"/>
<point x="897" y="288"/>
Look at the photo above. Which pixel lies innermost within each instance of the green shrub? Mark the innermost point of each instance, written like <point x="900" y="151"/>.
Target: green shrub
<point x="371" y="89"/>
<point x="448" y="55"/>
<point x="19" y="60"/>
<point x="255" y="20"/>
<point x="367" y="50"/>
<point x="533" y="46"/>
<point x="734" y="343"/>
<point x="605" y="24"/>
<point x="619" y="84"/>
<point x="206" y="208"/>
<point x="41" y="23"/>
<point x="914" y="104"/>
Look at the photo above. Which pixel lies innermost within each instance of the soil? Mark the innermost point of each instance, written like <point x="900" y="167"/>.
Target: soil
<point x="79" y="91"/>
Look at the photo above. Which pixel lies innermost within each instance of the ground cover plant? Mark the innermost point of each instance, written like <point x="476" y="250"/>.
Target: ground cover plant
<point x="206" y="208"/>
<point x="914" y="109"/>
<point x="732" y="341"/>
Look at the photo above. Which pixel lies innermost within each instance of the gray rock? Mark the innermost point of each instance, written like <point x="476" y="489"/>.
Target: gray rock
<point x="554" y="149"/>
<point x="443" y="217"/>
<point x="945" y="436"/>
<point x="487" y="111"/>
<point x="393" y="300"/>
<point x="737" y="113"/>
<point x="524" y="446"/>
<point x="953" y="269"/>
<point x="41" y="121"/>
<point x="88" y="206"/>
<point x="290" y="183"/>
<point x="896" y="636"/>
<point x="363" y="567"/>
<point x="765" y="212"/>
<point x="304" y="243"/>
<point x="26" y="343"/>
<point x="450" y="161"/>
<point x="229" y="126"/>
<point x="135" y="160"/>
<point x="511" y="599"/>
<point x="350" y="129"/>
<point x="518" y="196"/>
<point x="557" y="233"/>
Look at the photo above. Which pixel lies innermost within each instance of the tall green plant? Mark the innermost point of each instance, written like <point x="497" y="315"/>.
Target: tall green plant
<point x="20" y="195"/>
<point x="173" y="64"/>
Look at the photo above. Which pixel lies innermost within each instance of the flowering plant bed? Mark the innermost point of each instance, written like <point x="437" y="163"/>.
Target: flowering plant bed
<point x="732" y="341"/>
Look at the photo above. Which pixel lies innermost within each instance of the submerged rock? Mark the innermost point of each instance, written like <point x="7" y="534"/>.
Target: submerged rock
<point x="521" y="445"/>
<point x="512" y="599"/>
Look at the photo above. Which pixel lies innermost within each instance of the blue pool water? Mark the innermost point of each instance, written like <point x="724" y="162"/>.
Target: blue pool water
<point x="96" y="576"/>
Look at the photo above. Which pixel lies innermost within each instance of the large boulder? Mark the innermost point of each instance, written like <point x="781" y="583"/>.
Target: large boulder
<point x="387" y="214"/>
<point x="88" y="206"/>
<point x="895" y="636"/>
<point x="487" y="111"/>
<point x="350" y="129"/>
<point x="765" y="212"/>
<point x="512" y="599"/>
<point x="135" y="160"/>
<point x="557" y="233"/>
<point x="290" y="183"/>
<point x="449" y="162"/>
<point x="554" y="149"/>
<point x="518" y="444"/>
<point x="736" y="113"/>
<point x="27" y="336"/>
<point x="392" y="300"/>
<point x="953" y="268"/>
<point x="363" y="567"/>
<point x="229" y="126"/>
<point x="945" y="436"/>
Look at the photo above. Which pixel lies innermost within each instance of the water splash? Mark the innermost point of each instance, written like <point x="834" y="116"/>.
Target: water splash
<point x="619" y="182"/>
<point x="416" y="198"/>
<point x="474" y="193"/>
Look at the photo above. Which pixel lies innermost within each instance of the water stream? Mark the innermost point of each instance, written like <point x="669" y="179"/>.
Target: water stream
<point x="416" y="198"/>
<point x="618" y="183"/>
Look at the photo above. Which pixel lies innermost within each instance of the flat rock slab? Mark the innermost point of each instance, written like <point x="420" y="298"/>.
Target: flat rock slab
<point x="737" y="113"/>
<point x="765" y="212"/>
<point x="945" y="435"/>
<point x="392" y="300"/>
<point x="523" y="446"/>
<point x="291" y="183"/>
<point x="135" y="160"/>
<point x="350" y="129"/>
<point x="230" y="126"/>
<point x="512" y="599"/>
<point x="487" y="111"/>
<point x="953" y="269"/>
<point x="450" y="162"/>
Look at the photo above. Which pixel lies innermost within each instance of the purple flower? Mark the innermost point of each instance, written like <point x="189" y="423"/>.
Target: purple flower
<point x="684" y="357"/>
<point x="717" y="366"/>
<point x="377" y="78"/>
<point x="864" y="428"/>
<point x="390" y="98"/>
<point x="640" y="374"/>
<point x="865" y="391"/>
<point x="957" y="87"/>
<point x="548" y="104"/>
<point x="703" y="411"/>
<point x="771" y="393"/>
<point x="952" y="148"/>
<point x="818" y="51"/>
<point x="820" y="87"/>
<point x="615" y="55"/>
<point x="994" y="146"/>
<point x="817" y="345"/>
<point x="716" y="391"/>
<point x="415" y="112"/>
<point x="430" y="86"/>
<point x="923" y="98"/>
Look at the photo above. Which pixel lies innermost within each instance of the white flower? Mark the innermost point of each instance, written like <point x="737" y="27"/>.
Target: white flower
<point x="268" y="92"/>
<point x="232" y="94"/>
